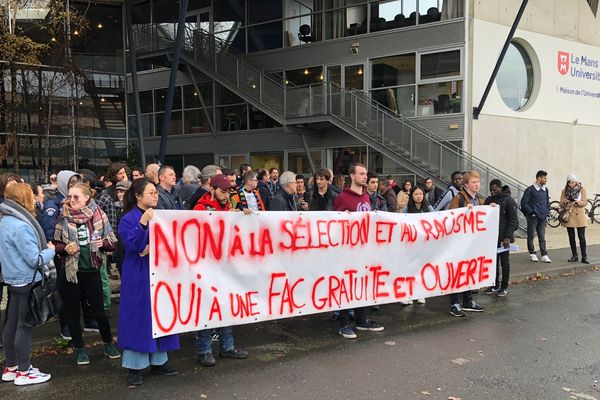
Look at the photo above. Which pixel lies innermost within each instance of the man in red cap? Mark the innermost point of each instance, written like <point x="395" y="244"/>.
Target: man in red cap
<point x="217" y="200"/>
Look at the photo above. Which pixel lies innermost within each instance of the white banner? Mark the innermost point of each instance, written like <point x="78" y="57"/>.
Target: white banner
<point x="213" y="269"/>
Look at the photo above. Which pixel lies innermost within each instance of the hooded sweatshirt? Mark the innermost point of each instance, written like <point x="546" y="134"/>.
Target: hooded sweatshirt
<point x="207" y="203"/>
<point x="63" y="182"/>
<point x="351" y="201"/>
<point x="508" y="221"/>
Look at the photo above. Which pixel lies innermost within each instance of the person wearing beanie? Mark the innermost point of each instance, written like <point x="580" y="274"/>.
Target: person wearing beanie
<point x="573" y="200"/>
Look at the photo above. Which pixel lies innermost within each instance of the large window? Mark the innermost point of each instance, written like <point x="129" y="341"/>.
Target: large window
<point x="443" y="64"/>
<point x="515" y="77"/>
<point x="393" y="83"/>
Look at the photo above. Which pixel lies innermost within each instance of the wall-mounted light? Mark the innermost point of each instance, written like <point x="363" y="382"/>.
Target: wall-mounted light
<point x="305" y="71"/>
<point x="360" y="70"/>
<point x="286" y="81"/>
<point x="99" y="26"/>
<point x="76" y="32"/>
<point x="321" y="77"/>
<point x="253" y="86"/>
<point x="53" y="39"/>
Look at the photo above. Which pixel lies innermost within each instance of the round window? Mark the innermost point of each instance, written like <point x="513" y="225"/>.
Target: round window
<point x="515" y="77"/>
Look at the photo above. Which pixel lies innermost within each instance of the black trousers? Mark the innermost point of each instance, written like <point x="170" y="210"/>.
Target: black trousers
<point x="359" y="313"/>
<point x="467" y="298"/>
<point x="90" y="285"/>
<point x="504" y="261"/>
<point x="582" y="244"/>
<point x="17" y="335"/>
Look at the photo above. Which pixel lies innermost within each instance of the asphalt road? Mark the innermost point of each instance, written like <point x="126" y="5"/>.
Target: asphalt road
<point x="540" y="342"/>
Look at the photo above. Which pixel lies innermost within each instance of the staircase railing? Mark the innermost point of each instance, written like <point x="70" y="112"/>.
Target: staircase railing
<point x="354" y="109"/>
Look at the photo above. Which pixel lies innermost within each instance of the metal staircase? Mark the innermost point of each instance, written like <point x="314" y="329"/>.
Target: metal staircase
<point x="403" y="141"/>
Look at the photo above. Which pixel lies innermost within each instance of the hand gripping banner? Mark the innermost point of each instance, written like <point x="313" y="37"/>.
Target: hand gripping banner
<point x="214" y="269"/>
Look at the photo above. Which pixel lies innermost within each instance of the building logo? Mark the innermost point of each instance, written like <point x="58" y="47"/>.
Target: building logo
<point x="563" y="62"/>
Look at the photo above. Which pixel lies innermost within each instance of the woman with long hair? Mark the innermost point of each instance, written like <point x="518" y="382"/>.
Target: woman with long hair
<point x="573" y="199"/>
<point x="82" y="237"/>
<point x="404" y="195"/>
<point x="417" y="203"/>
<point x="140" y="349"/>
<point x="21" y="254"/>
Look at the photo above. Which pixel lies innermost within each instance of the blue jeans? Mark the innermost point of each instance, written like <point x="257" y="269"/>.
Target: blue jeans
<point x="204" y="340"/>
<point x="536" y="225"/>
<point x="135" y="360"/>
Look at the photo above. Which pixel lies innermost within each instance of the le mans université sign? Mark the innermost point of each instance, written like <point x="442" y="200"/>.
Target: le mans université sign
<point x="214" y="269"/>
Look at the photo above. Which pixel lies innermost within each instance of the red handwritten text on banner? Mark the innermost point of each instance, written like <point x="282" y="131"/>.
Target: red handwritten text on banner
<point x="212" y="269"/>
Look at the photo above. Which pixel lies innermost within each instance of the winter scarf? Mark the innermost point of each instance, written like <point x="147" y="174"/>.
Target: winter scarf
<point x="66" y="231"/>
<point x="573" y="194"/>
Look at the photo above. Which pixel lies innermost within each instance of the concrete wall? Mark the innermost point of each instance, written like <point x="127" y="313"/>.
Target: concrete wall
<point x="566" y="19"/>
<point x="556" y="133"/>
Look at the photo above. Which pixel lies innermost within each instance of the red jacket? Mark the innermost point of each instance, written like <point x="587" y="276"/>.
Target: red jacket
<point x="207" y="203"/>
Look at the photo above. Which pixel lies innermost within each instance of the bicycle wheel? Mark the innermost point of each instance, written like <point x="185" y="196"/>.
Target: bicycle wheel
<point x="553" y="220"/>
<point x="588" y="208"/>
<point x="595" y="214"/>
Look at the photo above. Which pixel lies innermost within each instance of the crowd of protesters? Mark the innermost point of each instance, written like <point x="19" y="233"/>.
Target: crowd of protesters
<point x="87" y="222"/>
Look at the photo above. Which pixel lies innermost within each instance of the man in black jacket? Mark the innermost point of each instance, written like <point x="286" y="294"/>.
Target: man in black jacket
<point x="323" y="193"/>
<point x="285" y="198"/>
<point x="506" y="233"/>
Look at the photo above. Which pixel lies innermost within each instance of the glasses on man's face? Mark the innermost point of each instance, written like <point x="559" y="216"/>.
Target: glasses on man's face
<point x="73" y="197"/>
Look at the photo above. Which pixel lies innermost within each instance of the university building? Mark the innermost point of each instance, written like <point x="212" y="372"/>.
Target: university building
<point x="300" y="84"/>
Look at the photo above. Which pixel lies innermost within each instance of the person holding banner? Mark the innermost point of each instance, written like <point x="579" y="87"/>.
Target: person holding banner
<point x="468" y="197"/>
<point x="417" y="203"/>
<point x="218" y="200"/>
<point x="140" y="349"/>
<point x="355" y="199"/>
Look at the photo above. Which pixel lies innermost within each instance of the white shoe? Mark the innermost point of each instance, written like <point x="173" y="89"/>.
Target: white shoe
<point x="421" y="301"/>
<point x="9" y="374"/>
<point x="406" y="302"/>
<point x="546" y="259"/>
<point x="30" y="377"/>
<point x="533" y="258"/>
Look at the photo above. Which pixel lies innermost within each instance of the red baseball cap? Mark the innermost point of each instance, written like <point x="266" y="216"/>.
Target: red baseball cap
<point x="221" y="182"/>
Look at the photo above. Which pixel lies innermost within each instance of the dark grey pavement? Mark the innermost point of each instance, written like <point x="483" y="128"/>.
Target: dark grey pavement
<point x="540" y="342"/>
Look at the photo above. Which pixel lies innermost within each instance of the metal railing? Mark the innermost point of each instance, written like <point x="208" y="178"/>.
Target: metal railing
<point x="354" y="109"/>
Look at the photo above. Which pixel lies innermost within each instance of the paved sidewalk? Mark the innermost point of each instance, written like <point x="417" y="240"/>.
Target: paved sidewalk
<point x="521" y="268"/>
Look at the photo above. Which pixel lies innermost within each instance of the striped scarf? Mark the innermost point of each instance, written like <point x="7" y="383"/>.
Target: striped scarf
<point x="66" y="231"/>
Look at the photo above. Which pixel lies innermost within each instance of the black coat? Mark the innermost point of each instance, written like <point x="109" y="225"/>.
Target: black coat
<point x="283" y="201"/>
<point x="329" y="197"/>
<point x="508" y="214"/>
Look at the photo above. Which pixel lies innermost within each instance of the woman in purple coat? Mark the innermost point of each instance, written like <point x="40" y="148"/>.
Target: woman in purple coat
<point x="140" y="349"/>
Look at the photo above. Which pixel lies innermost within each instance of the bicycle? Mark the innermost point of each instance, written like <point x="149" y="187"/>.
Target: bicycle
<point x="593" y="209"/>
<point x="553" y="213"/>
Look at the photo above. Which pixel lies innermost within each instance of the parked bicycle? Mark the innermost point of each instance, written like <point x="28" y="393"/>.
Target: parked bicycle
<point x="592" y="210"/>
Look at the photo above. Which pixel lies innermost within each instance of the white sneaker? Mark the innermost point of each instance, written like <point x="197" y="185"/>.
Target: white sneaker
<point x="546" y="259"/>
<point x="406" y="302"/>
<point x="421" y="301"/>
<point x="30" y="377"/>
<point x="9" y="374"/>
<point x="533" y="258"/>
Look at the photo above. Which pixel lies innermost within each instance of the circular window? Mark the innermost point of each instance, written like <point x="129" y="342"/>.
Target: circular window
<point x="515" y="77"/>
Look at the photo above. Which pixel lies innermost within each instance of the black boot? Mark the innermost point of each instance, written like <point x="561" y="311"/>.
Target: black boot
<point x="135" y="377"/>
<point x="574" y="258"/>
<point x="584" y="259"/>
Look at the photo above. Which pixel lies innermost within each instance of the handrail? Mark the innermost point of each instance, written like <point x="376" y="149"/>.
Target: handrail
<point x="220" y="46"/>
<point x="430" y="135"/>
